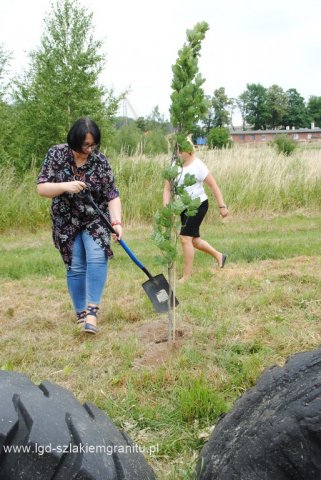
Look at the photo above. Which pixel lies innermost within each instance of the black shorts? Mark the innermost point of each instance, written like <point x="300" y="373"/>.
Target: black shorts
<point x="191" y="225"/>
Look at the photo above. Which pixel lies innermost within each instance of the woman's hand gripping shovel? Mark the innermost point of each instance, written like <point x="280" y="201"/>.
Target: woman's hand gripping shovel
<point x="156" y="288"/>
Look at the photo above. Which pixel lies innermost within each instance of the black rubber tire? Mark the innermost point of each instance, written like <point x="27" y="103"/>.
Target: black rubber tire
<point x="49" y="416"/>
<point x="273" y="432"/>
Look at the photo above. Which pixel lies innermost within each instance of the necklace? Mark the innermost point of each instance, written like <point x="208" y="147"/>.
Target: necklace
<point x="78" y="175"/>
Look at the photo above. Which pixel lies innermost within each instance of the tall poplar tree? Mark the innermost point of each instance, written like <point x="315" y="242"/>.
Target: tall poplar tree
<point x="189" y="105"/>
<point x="62" y="82"/>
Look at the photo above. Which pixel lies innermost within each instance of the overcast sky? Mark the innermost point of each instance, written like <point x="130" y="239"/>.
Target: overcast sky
<point x="249" y="41"/>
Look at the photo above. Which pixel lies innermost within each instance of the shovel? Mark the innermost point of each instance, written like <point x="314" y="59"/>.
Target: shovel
<point x="156" y="288"/>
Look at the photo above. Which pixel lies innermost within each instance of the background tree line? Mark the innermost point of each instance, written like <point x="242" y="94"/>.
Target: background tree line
<point x="61" y="83"/>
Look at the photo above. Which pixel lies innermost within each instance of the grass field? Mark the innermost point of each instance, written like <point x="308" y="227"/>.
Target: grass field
<point x="231" y="324"/>
<point x="252" y="180"/>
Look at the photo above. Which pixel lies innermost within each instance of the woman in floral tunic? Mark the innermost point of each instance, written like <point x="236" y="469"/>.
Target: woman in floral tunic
<point x="78" y="231"/>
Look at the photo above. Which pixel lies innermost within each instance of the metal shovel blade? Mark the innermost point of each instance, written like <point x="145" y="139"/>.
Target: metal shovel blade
<point x="157" y="289"/>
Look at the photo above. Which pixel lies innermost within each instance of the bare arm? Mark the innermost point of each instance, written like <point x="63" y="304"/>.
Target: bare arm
<point x="52" y="189"/>
<point x="166" y="193"/>
<point x="210" y="181"/>
<point x="114" y="207"/>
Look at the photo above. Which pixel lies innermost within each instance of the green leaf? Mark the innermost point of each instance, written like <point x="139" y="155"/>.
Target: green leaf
<point x="189" y="180"/>
<point x="177" y="206"/>
<point x="186" y="199"/>
<point x="193" y="207"/>
<point x="170" y="173"/>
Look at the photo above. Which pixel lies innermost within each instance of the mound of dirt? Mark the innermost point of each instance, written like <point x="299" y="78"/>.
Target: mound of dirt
<point x="157" y="349"/>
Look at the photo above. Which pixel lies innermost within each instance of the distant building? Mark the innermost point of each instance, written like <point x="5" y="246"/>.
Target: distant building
<point x="257" y="137"/>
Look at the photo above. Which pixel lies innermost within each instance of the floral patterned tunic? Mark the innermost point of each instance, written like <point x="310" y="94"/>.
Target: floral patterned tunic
<point x="69" y="212"/>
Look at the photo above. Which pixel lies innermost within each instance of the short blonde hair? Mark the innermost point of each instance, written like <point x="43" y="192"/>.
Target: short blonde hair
<point x="189" y="139"/>
<point x="184" y="143"/>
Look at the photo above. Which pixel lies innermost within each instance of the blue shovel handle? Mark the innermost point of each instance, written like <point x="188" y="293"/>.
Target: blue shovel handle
<point x="87" y="195"/>
<point x="131" y="254"/>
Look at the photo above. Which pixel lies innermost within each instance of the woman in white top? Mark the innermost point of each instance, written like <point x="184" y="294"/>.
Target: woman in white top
<point x="189" y="234"/>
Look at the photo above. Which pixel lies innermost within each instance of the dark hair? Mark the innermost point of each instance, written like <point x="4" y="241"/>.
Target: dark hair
<point x="77" y="133"/>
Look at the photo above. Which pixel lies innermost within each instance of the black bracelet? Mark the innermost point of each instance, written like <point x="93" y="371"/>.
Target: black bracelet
<point x="222" y="206"/>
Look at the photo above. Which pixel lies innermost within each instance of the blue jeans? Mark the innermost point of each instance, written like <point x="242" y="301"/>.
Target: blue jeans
<point x="87" y="276"/>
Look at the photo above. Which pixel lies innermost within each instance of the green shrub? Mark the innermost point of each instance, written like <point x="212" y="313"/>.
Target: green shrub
<point x="219" y="137"/>
<point x="284" y="145"/>
<point x="128" y="140"/>
<point x="155" y="143"/>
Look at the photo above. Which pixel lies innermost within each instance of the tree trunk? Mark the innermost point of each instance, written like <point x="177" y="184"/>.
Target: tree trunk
<point x="171" y="304"/>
